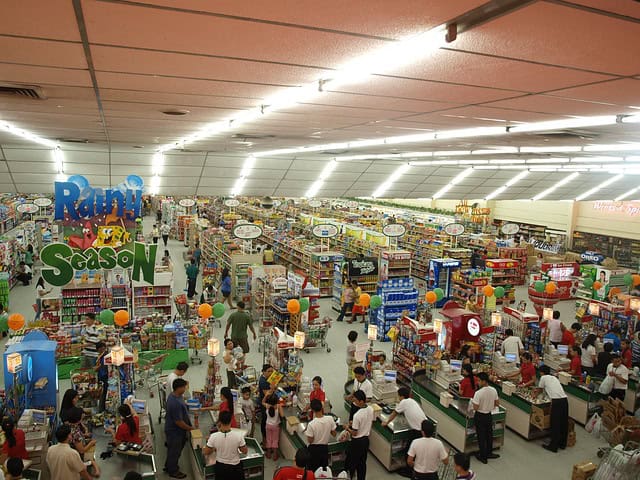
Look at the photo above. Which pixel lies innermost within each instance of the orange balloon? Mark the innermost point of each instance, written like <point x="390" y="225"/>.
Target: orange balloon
<point x="205" y="310"/>
<point x="121" y="318"/>
<point x="365" y="299"/>
<point x="614" y="291"/>
<point x="597" y="285"/>
<point x="293" y="306"/>
<point x="636" y="279"/>
<point x="550" y="288"/>
<point x="488" y="291"/>
<point x="431" y="297"/>
<point x="16" y="321"/>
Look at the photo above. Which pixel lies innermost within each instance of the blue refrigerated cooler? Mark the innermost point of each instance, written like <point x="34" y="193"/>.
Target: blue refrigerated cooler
<point x="440" y="275"/>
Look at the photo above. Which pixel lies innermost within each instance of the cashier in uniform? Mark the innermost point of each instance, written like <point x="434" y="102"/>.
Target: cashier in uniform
<point x="362" y="383"/>
<point x="411" y="409"/>
<point x="559" y="410"/>
<point x="319" y="432"/>
<point x="484" y="401"/>
<point x="527" y="371"/>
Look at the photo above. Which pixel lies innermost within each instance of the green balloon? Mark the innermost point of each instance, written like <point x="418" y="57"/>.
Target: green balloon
<point x="588" y="282"/>
<point x="304" y="304"/>
<point x="539" y="286"/>
<point x="106" y="317"/>
<point x="218" y="310"/>
<point x="439" y="293"/>
<point x="628" y="279"/>
<point x="498" y="292"/>
<point x="376" y="301"/>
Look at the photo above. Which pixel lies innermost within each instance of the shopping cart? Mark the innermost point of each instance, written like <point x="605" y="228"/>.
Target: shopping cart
<point x="187" y="309"/>
<point x="149" y="370"/>
<point x="447" y="471"/>
<point x="316" y="335"/>
<point x="620" y="463"/>
<point x="248" y="377"/>
<point x="197" y="342"/>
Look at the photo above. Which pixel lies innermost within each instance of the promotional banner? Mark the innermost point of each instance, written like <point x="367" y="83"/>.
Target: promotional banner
<point x="363" y="266"/>
<point x="98" y="233"/>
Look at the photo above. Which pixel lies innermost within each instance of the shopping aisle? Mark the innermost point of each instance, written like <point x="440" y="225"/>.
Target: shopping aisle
<point x="519" y="458"/>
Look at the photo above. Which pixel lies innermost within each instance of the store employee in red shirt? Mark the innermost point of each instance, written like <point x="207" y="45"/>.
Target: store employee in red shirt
<point x="299" y="471"/>
<point x="568" y="335"/>
<point x="626" y="353"/>
<point x="469" y="383"/>
<point x="527" y="370"/>
<point x="576" y="363"/>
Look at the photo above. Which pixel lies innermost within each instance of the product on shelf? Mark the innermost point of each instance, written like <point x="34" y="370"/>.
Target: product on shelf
<point x="504" y="273"/>
<point x="395" y="264"/>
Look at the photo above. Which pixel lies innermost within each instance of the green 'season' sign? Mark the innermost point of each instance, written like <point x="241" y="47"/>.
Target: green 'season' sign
<point x="61" y="261"/>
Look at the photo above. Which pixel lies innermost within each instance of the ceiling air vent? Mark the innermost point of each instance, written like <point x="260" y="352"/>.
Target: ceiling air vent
<point x="26" y="91"/>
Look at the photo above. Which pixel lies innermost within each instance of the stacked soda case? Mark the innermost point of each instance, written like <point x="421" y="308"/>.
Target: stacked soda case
<point x="398" y="296"/>
<point x="533" y="338"/>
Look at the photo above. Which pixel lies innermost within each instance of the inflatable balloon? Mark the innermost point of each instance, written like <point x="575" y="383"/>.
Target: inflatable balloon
<point x="550" y="288"/>
<point x="439" y="293"/>
<point x="365" y="299"/>
<point x="218" y="310"/>
<point x="539" y="286"/>
<point x="304" y="304"/>
<point x="376" y="301"/>
<point x="121" y="318"/>
<point x="293" y="306"/>
<point x="488" y="291"/>
<point x="499" y="292"/>
<point x="205" y="310"/>
<point x="106" y="317"/>
<point x="431" y="297"/>
<point x="16" y="321"/>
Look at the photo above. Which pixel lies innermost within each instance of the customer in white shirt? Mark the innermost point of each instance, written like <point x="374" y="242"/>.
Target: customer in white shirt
<point x="620" y="375"/>
<point x="319" y="432"/>
<point x="360" y="429"/>
<point x="589" y="358"/>
<point x="426" y="453"/>
<point x="361" y="382"/>
<point x="411" y="409"/>
<point x="555" y="329"/>
<point x="178" y="372"/>
<point x="512" y="344"/>
<point x="483" y="402"/>
<point x="559" y="410"/>
<point x="228" y="444"/>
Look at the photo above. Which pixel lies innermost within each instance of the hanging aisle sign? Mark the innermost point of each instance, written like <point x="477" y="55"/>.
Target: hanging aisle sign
<point x="61" y="261"/>
<point x="363" y="266"/>
<point x="231" y="202"/>
<point x="510" y="228"/>
<point x="247" y="231"/>
<point x="187" y="202"/>
<point x="545" y="246"/>
<point x="27" y="208"/>
<point x="325" y="230"/>
<point x="394" y="230"/>
<point x="454" y="229"/>
<point x="43" y="202"/>
<point x="315" y="203"/>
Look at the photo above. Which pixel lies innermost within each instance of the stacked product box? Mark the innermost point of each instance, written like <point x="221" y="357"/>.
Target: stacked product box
<point x="399" y="297"/>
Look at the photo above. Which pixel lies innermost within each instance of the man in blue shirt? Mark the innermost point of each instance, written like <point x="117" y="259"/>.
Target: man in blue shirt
<point x="176" y="427"/>
<point x="614" y="336"/>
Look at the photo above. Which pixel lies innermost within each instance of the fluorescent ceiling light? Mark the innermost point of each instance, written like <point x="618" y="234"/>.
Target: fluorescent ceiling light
<point x="495" y="151"/>
<point x="19" y="132"/>
<point x="627" y="194"/>
<point x="324" y="175"/>
<point x="550" y="149"/>
<point x="247" y="167"/>
<point x="507" y="161"/>
<point x="391" y="56"/>
<point x="629" y="118"/>
<point x="550" y="190"/>
<point x="155" y="185"/>
<point x="457" y="179"/>
<point x="451" y="153"/>
<point x="238" y="186"/>
<point x="533" y="161"/>
<point x="604" y="184"/>
<point x="564" y="124"/>
<point x="392" y="179"/>
<point x="617" y="147"/>
<point x="511" y="182"/>
<point x="597" y="159"/>
<point x="58" y="159"/>
<point x="157" y="163"/>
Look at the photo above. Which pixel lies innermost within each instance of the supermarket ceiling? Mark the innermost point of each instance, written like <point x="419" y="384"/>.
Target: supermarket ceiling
<point x="108" y="69"/>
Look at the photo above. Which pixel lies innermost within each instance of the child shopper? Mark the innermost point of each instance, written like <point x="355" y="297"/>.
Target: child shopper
<point x="248" y="405"/>
<point x="274" y="414"/>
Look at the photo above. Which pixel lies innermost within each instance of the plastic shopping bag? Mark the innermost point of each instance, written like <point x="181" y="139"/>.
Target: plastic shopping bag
<point x="593" y="425"/>
<point x="323" y="472"/>
<point x="606" y="386"/>
<point x="343" y="474"/>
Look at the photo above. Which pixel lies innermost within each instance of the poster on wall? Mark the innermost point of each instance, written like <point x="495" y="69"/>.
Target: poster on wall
<point x="602" y="276"/>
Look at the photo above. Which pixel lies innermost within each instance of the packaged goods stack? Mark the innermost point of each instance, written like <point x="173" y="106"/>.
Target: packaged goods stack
<point x="504" y="273"/>
<point x="521" y="255"/>
<point x="413" y="350"/>
<point x="461" y="254"/>
<point x="399" y="298"/>
<point x="150" y="301"/>
<point x="78" y="301"/>
<point x="469" y="282"/>
<point x="395" y="264"/>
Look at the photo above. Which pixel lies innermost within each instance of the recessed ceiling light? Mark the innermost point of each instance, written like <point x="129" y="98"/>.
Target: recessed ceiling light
<point x="176" y="112"/>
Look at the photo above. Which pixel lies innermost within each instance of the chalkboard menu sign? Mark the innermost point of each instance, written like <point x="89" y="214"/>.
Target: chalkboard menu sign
<point x="363" y="266"/>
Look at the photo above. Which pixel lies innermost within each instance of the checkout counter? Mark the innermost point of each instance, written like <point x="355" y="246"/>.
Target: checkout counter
<point x="526" y="414"/>
<point x="453" y="423"/>
<point x="252" y="462"/>
<point x="292" y="438"/>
